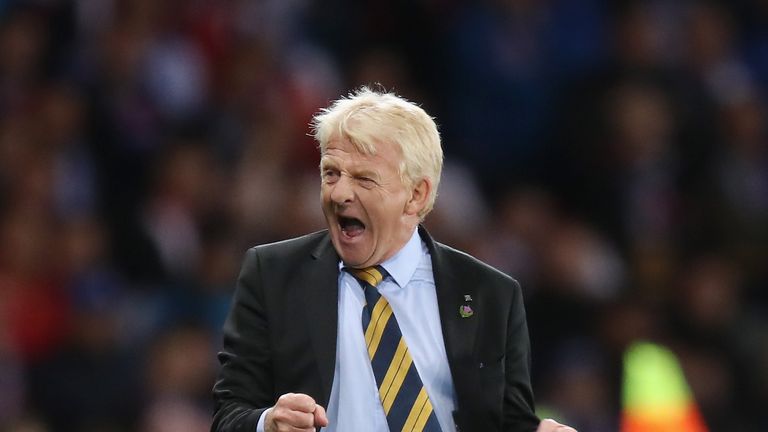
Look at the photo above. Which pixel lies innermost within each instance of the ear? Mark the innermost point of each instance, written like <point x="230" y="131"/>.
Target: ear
<point x="419" y="196"/>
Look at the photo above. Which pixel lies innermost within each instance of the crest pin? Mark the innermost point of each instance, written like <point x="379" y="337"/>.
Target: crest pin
<point x="465" y="311"/>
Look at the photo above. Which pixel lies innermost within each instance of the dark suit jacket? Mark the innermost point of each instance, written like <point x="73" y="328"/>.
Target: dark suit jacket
<point x="280" y="336"/>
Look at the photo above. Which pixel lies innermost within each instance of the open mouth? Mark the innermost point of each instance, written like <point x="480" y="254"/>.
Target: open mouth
<point x="351" y="227"/>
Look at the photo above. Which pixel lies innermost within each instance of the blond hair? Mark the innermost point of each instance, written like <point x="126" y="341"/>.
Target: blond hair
<point x="366" y="117"/>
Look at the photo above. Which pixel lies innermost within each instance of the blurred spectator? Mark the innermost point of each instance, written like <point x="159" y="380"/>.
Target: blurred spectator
<point x="514" y="241"/>
<point x="504" y="62"/>
<point x="22" y="47"/>
<point x="180" y="370"/>
<point x="741" y="177"/>
<point x="181" y="196"/>
<point x="721" y="338"/>
<point x="36" y="308"/>
<point x="579" y="390"/>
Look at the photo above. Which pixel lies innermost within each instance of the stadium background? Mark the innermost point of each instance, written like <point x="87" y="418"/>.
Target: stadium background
<point x="611" y="155"/>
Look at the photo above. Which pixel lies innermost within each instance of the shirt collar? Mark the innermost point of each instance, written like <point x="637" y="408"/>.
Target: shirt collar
<point x="403" y="264"/>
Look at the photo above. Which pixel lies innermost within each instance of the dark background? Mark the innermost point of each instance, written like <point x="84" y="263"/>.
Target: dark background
<point x="611" y="155"/>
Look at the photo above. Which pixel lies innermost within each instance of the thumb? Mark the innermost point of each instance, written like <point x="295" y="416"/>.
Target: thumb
<point x="320" y="418"/>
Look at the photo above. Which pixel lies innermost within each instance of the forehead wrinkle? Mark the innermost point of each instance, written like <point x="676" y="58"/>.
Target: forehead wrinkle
<point x="353" y="166"/>
<point x="350" y="159"/>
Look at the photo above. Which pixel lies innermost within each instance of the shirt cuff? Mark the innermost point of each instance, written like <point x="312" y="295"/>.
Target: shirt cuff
<point x="260" y="425"/>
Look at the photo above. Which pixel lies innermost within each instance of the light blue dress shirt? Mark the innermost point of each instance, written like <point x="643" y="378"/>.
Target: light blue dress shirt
<point x="354" y="404"/>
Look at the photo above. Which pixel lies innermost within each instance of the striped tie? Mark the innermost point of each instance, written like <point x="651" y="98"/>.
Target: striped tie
<point x="402" y="393"/>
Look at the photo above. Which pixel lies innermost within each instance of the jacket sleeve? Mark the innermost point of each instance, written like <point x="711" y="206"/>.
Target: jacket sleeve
<point x="244" y="388"/>
<point x="518" y="395"/>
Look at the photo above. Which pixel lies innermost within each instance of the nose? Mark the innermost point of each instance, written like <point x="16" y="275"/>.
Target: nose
<point x="341" y="191"/>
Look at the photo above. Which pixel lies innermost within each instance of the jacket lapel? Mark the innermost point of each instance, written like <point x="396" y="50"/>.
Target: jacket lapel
<point x="459" y="333"/>
<point x="321" y="304"/>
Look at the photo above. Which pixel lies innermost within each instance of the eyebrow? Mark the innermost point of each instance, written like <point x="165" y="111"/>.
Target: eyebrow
<point x="326" y="162"/>
<point x="367" y="173"/>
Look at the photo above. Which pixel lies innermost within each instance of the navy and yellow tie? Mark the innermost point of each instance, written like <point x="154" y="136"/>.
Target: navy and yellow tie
<point x="402" y="393"/>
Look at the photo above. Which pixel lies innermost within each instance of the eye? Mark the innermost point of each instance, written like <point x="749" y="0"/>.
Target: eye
<point x="367" y="182"/>
<point x="330" y="175"/>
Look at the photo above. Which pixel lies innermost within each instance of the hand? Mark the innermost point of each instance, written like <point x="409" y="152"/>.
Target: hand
<point x="295" y="412"/>
<point x="549" y="425"/>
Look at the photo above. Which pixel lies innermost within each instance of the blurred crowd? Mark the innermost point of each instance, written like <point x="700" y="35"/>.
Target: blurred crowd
<point x="610" y="155"/>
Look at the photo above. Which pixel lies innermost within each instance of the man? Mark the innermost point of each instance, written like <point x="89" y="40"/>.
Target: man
<point x="371" y="318"/>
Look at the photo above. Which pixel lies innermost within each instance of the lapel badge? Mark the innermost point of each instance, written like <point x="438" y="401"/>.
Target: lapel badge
<point x="465" y="311"/>
<point x="467" y="298"/>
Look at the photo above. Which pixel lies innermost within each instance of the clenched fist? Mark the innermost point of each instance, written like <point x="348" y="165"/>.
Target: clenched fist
<point x="295" y="412"/>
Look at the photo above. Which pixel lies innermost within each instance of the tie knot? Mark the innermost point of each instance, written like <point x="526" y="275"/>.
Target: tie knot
<point x="370" y="275"/>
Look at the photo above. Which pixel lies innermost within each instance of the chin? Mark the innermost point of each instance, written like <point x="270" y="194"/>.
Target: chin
<point x="350" y="258"/>
<point x="353" y="257"/>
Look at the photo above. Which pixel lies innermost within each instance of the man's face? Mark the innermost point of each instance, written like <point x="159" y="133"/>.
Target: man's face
<point x="365" y="202"/>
